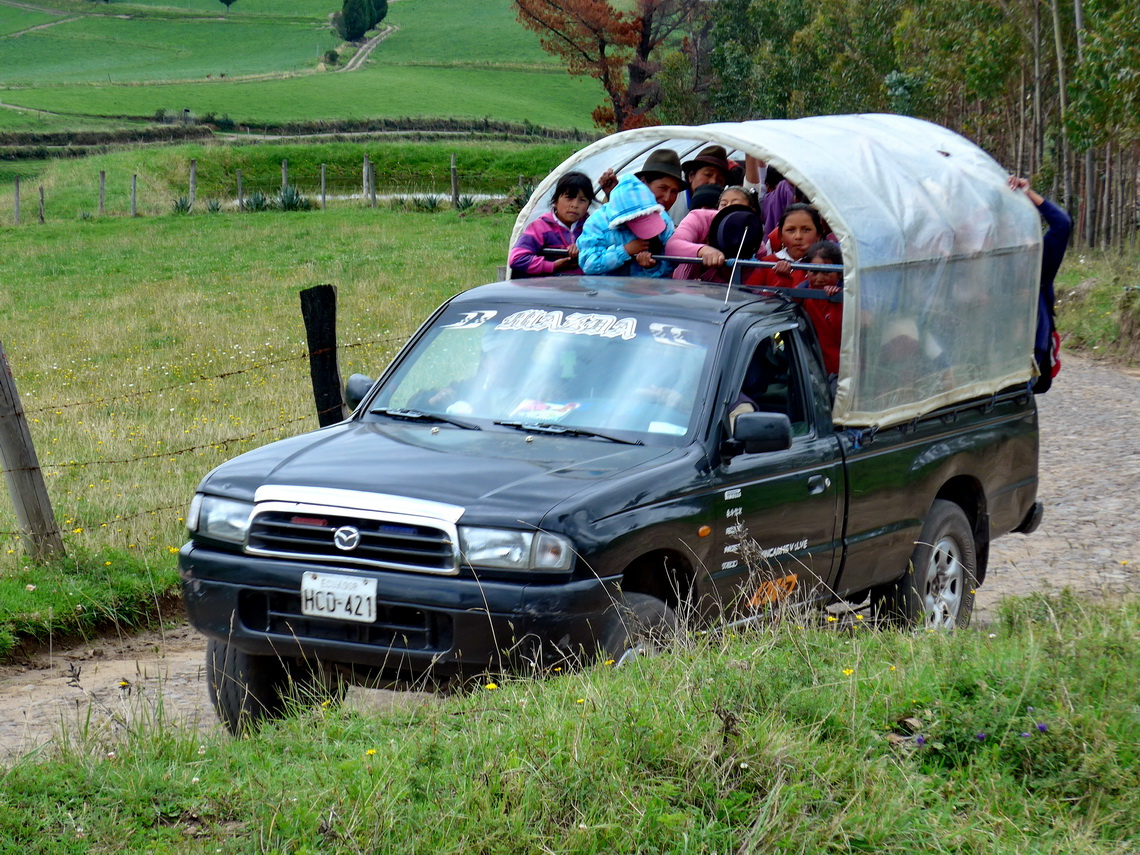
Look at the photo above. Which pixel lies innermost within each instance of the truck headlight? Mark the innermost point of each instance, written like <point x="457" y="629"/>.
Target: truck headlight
<point x="514" y="550"/>
<point x="218" y="518"/>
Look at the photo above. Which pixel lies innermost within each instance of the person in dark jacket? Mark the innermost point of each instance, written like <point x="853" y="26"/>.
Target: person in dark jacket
<point x="1047" y="342"/>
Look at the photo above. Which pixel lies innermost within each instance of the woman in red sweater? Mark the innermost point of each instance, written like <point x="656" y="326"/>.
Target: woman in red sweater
<point x="800" y="227"/>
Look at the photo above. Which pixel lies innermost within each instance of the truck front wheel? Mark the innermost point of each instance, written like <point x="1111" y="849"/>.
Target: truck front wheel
<point x="937" y="589"/>
<point x="247" y="690"/>
<point x="244" y="689"/>
<point x="640" y="625"/>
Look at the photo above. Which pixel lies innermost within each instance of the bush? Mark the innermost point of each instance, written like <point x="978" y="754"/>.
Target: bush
<point x="181" y="205"/>
<point x="291" y="199"/>
<point x="465" y="203"/>
<point x="520" y="196"/>
<point x="255" y="201"/>
<point x="331" y="57"/>
<point x="431" y="204"/>
<point x="213" y="206"/>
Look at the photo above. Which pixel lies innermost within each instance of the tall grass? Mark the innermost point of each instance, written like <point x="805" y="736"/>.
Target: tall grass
<point x="784" y="739"/>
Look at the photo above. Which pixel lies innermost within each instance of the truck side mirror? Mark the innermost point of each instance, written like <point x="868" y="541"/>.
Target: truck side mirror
<point x="756" y="433"/>
<point x="356" y="388"/>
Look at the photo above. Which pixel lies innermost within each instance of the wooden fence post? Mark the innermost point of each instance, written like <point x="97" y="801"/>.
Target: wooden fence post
<point x="41" y="204"/>
<point x="134" y="194"/>
<point x="364" y="178"/>
<point x="193" y="181"/>
<point x="22" y="471"/>
<point x="318" y="308"/>
<point x="454" y="183"/>
<point x="284" y="173"/>
<point x="102" y="189"/>
<point x="323" y="205"/>
<point x="241" y="199"/>
<point x="372" y="183"/>
<point x="17" y="200"/>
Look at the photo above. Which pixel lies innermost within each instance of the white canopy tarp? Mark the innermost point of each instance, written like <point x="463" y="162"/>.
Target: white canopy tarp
<point x="942" y="260"/>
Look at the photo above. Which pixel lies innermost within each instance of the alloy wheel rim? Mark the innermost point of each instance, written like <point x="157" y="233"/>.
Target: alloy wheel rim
<point x="943" y="588"/>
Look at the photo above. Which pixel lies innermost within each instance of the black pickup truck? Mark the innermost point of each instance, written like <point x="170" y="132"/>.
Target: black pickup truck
<point x="560" y="466"/>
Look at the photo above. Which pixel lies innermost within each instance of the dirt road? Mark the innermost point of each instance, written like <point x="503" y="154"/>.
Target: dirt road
<point x="1090" y="462"/>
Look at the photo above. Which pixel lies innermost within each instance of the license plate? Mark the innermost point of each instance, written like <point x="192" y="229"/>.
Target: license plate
<point x="330" y="595"/>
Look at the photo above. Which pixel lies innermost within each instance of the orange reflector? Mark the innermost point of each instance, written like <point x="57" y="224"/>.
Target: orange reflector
<point x="704" y="531"/>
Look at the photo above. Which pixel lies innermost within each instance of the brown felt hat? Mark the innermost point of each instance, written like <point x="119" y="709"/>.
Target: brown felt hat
<point x="713" y="155"/>
<point x="664" y="161"/>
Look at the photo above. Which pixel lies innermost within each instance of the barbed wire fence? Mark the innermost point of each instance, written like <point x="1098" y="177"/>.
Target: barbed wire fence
<point x="43" y="413"/>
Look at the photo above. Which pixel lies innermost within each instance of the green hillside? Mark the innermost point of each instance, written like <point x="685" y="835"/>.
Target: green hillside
<point x="262" y="63"/>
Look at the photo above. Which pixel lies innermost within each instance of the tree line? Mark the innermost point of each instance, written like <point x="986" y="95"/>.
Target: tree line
<point x="1051" y="88"/>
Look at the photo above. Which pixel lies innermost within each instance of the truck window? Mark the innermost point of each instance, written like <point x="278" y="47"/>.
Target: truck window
<point x="772" y="383"/>
<point x="631" y="373"/>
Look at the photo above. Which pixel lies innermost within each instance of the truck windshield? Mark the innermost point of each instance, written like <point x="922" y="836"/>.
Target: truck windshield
<point x="626" y="372"/>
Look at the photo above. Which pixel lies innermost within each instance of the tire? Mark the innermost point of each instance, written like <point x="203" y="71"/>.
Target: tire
<point x="244" y="689"/>
<point x="640" y="625"/>
<point x="937" y="589"/>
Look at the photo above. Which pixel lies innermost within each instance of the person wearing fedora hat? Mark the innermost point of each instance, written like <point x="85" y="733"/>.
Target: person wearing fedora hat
<point x="710" y="166"/>
<point x="623" y="235"/>
<point x="663" y="175"/>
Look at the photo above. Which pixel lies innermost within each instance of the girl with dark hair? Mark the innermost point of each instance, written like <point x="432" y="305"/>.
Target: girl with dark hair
<point x="799" y="227"/>
<point x="558" y="229"/>
<point x="826" y="317"/>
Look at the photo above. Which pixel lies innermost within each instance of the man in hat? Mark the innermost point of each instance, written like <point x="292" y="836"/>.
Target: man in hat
<point x="711" y="166"/>
<point x="663" y="175"/>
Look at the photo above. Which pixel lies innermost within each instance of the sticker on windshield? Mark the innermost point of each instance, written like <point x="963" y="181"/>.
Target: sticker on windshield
<point x="542" y="411"/>
<point x="470" y="320"/>
<point x="671" y="335"/>
<point x="576" y="323"/>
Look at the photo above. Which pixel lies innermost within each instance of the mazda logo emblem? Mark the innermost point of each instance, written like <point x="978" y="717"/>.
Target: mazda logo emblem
<point x="346" y="538"/>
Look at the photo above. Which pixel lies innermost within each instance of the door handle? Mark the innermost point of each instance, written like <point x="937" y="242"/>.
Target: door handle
<point x="818" y="484"/>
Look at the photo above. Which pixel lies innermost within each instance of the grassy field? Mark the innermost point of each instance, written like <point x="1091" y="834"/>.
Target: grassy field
<point x="104" y="50"/>
<point x="785" y="739"/>
<point x="148" y="351"/>
<point x="448" y="58"/>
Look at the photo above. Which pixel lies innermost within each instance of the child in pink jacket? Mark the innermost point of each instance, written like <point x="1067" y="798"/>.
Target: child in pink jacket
<point x="558" y="229"/>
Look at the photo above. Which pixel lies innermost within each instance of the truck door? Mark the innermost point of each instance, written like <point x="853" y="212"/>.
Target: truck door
<point x="777" y="512"/>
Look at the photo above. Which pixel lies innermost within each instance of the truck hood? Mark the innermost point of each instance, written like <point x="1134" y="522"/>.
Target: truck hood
<point x="496" y="475"/>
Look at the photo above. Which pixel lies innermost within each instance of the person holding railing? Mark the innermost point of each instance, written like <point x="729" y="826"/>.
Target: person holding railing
<point x="557" y="229"/>
<point x="623" y="235"/>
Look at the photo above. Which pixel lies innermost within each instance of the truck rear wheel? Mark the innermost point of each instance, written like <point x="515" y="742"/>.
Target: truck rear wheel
<point x="937" y="589"/>
<point x="640" y="626"/>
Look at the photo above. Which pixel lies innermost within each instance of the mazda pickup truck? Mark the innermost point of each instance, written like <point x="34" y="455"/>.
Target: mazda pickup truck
<point x="552" y="470"/>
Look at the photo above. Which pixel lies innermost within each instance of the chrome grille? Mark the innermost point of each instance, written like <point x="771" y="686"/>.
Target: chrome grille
<point x="389" y="541"/>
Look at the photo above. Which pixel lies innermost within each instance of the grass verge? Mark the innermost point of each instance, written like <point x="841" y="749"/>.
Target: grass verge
<point x="1098" y="304"/>
<point x="787" y="739"/>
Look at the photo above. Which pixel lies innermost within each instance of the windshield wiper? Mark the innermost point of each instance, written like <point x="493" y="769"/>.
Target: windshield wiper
<point x="421" y="416"/>
<point x="549" y="427"/>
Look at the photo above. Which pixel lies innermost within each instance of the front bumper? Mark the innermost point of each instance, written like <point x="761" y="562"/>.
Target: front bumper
<point x="427" y="626"/>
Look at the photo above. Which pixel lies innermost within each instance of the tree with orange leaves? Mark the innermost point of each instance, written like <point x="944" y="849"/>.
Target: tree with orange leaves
<point x="613" y="46"/>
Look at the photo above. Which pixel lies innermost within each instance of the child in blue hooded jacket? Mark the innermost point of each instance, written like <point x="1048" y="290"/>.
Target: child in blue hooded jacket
<point x="620" y="238"/>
